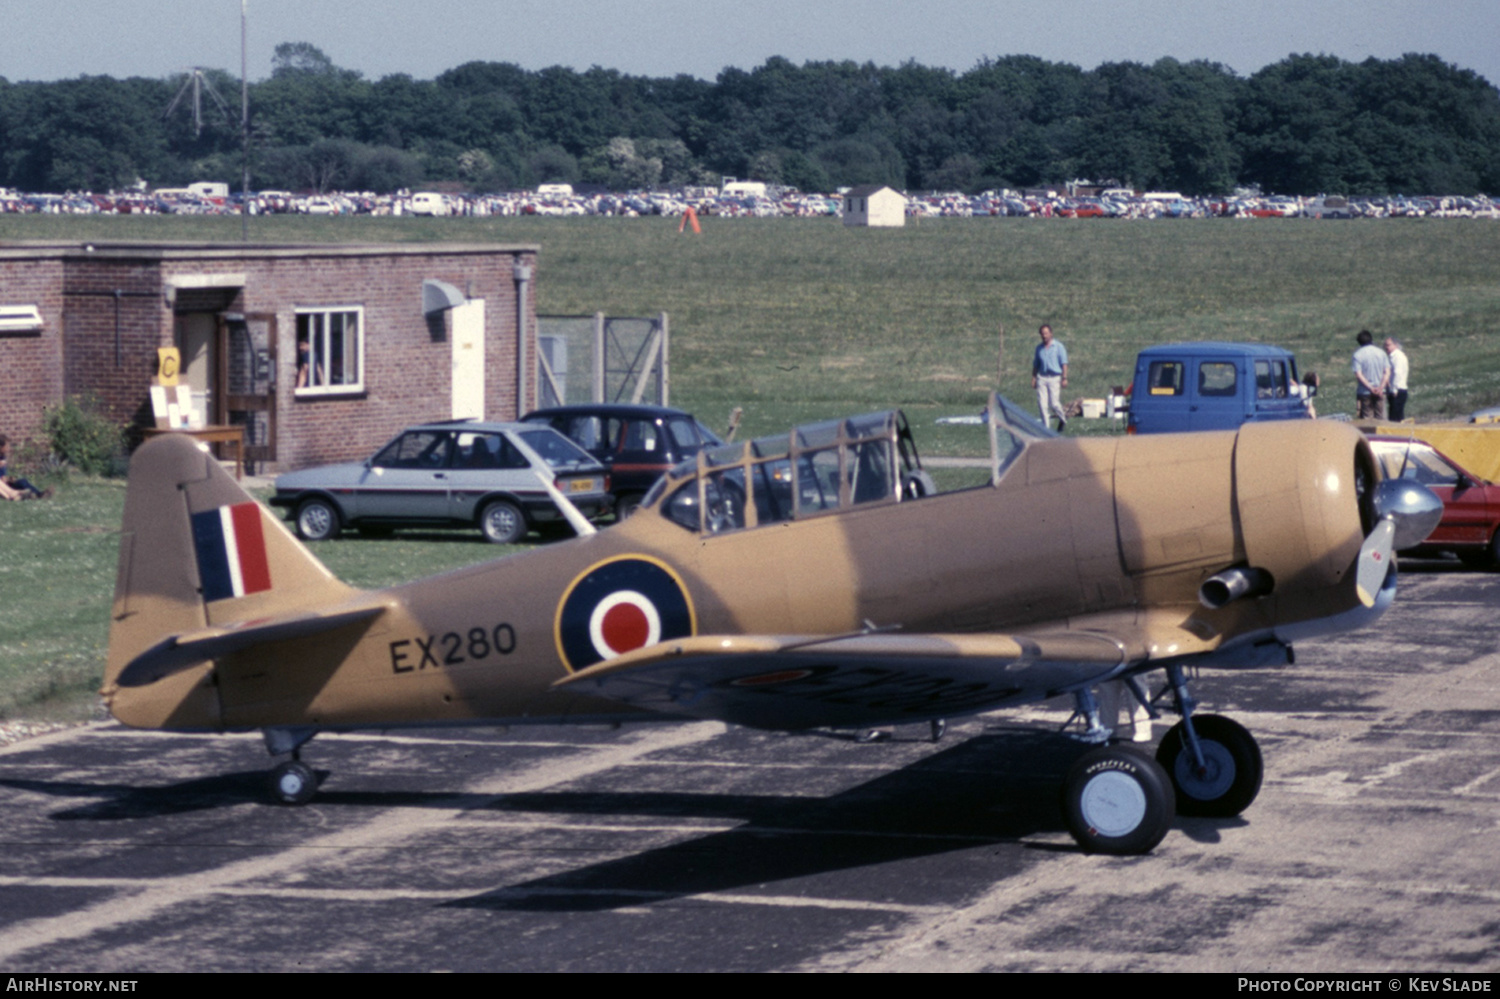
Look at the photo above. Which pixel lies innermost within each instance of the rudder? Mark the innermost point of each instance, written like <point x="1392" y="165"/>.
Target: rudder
<point x="197" y="551"/>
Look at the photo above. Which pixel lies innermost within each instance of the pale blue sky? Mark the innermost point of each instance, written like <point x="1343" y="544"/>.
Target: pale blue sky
<point x="52" y="39"/>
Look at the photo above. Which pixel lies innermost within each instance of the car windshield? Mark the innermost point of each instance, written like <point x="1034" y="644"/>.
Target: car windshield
<point x="555" y="449"/>
<point x="1416" y="462"/>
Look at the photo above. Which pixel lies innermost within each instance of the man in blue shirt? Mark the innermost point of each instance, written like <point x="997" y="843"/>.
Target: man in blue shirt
<point x="1049" y="375"/>
<point x="1372" y="378"/>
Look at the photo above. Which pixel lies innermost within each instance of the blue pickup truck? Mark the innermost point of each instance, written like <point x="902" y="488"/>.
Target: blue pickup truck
<point x="1213" y="386"/>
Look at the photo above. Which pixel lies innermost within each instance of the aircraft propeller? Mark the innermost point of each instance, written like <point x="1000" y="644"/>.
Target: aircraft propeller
<point x="1405" y="513"/>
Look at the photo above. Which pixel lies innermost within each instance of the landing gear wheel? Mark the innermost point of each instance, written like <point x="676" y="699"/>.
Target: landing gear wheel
<point x="1118" y="800"/>
<point x="293" y="783"/>
<point x="317" y="520"/>
<point x="502" y="523"/>
<point x="1232" y="771"/>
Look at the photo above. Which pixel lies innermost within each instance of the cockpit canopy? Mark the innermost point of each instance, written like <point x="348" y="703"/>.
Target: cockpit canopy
<point x="814" y="469"/>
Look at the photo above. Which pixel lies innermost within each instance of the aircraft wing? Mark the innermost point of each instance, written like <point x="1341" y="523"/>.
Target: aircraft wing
<point x="796" y="682"/>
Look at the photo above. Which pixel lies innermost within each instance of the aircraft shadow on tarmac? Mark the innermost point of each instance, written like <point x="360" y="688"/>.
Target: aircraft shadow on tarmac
<point x="998" y="787"/>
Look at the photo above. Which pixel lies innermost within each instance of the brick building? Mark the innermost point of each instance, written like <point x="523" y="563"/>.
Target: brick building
<point x="321" y="352"/>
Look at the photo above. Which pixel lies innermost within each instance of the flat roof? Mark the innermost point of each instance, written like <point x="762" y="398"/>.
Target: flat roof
<point x="109" y="250"/>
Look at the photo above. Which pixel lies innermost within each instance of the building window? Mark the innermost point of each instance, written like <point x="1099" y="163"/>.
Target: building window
<point x="330" y="351"/>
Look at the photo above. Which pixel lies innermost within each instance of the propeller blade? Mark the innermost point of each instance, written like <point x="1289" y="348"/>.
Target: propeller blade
<point x="1375" y="561"/>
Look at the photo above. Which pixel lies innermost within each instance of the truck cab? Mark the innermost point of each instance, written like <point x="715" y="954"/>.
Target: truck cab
<point x="1213" y="386"/>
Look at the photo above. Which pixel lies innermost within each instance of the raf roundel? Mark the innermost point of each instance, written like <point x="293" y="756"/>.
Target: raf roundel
<point x="619" y="606"/>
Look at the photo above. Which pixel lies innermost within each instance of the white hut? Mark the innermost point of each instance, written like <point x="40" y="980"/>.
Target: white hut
<point x="874" y="205"/>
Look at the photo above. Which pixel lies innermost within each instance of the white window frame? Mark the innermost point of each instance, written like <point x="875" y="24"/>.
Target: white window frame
<point x="320" y="330"/>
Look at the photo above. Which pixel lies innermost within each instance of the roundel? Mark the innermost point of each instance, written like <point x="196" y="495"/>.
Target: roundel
<point x="619" y="606"/>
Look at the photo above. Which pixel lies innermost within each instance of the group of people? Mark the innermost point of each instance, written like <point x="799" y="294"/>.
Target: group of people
<point x="11" y="487"/>
<point x="1379" y="375"/>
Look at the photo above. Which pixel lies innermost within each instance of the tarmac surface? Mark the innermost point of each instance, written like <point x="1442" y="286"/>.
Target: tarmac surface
<point x="1372" y="846"/>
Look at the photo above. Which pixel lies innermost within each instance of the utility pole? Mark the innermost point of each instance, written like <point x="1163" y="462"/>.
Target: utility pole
<point x="244" y="134"/>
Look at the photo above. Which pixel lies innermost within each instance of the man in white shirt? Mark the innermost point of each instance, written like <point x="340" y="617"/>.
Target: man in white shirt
<point x="1400" y="367"/>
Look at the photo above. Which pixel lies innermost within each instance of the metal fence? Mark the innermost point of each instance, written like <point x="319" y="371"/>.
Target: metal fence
<point x="603" y="358"/>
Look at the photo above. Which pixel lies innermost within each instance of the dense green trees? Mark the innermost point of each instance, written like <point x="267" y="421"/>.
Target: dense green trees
<point x="1304" y="125"/>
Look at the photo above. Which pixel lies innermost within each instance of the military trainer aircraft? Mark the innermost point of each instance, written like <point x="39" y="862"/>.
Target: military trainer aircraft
<point x="808" y="580"/>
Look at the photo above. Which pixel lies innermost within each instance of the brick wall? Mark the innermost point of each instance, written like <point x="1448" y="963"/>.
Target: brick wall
<point x="407" y="375"/>
<point x="31" y="366"/>
<point x="114" y="318"/>
<point x="102" y="343"/>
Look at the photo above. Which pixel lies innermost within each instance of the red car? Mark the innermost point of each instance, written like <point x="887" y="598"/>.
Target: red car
<point x="1471" y="505"/>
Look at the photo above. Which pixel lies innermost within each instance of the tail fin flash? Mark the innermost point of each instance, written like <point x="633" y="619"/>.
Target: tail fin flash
<point x="198" y="552"/>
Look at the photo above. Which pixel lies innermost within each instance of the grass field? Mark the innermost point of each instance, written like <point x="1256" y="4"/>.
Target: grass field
<point x="799" y="319"/>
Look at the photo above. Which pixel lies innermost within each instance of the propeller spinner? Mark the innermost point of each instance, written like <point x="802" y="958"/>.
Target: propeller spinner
<point x="1405" y="513"/>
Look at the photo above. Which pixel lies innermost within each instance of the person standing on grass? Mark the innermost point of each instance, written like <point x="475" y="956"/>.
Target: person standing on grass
<point x="1049" y="376"/>
<point x="1372" y="378"/>
<point x="1400" y="368"/>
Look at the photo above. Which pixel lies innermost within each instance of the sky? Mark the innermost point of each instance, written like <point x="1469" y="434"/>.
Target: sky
<point x="60" y="39"/>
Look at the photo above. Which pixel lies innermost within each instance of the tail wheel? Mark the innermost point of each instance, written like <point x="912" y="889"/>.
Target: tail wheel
<point x="317" y="519"/>
<point x="1232" y="768"/>
<point x="1118" y="800"/>
<point x="293" y="783"/>
<point x="502" y="523"/>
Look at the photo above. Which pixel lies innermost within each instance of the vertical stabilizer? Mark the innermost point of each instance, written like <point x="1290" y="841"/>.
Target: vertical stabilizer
<point x="197" y="551"/>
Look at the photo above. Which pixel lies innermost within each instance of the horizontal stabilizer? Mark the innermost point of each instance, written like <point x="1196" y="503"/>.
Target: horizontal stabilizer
<point x="797" y="681"/>
<point x="182" y="652"/>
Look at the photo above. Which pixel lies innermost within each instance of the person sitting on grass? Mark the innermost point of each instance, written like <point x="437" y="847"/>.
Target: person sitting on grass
<point x="12" y="488"/>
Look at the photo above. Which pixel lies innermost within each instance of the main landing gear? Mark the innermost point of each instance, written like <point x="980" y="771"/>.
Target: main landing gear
<point x="1119" y="800"/>
<point x="291" y="782"/>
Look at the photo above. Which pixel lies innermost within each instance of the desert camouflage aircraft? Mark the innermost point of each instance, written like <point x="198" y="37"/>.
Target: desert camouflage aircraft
<point x="812" y="579"/>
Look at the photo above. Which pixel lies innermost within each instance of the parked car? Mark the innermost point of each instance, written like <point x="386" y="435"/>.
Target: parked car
<point x="1471" y="505"/>
<point x="636" y="443"/>
<point x="458" y="474"/>
<point x="1213" y="386"/>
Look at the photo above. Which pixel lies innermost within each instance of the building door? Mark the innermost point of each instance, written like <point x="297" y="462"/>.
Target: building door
<point x="247" y="348"/>
<point x="468" y="360"/>
<point x="198" y="343"/>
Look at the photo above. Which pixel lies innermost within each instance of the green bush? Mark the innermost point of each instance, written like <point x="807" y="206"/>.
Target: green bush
<point x="84" y="437"/>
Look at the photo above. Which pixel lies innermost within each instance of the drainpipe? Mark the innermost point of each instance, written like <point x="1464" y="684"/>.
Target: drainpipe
<point x="522" y="274"/>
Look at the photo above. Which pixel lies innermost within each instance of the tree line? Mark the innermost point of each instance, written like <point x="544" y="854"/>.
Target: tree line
<point x="1308" y="124"/>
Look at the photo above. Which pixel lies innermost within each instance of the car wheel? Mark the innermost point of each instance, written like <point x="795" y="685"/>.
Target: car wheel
<point x="627" y="505"/>
<point x="317" y="520"/>
<point x="502" y="523"/>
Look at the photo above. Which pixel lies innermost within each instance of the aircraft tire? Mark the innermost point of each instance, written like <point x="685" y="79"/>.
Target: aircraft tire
<point x="293" y="783"/>
<point x="1118" y="800"/>
<point x="502" y="523"/>
<point x="1234" y="767"/>
<point x="317" y="519"/>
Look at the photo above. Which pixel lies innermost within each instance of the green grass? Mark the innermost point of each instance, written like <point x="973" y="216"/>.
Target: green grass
<point x="57" y="571"/>
<point x="803" y="319"/>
